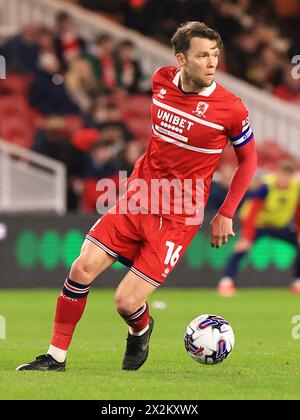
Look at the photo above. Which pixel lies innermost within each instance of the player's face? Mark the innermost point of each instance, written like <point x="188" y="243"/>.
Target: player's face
<point x="199" y="63"/>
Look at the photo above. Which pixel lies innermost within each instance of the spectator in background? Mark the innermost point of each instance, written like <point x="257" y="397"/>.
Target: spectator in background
<point x="101" y="162"/>
<point x="105" y="63"/>
<point x="21" y="51"/>
<point x="48" y="93"/>
<point x="289" y="89"/>
<point x="128" y="68"/>
<point x="68" y="41"/>
<point x="242" y="55"/>
<point x="50" y="138"/>
<point x="266" y="68"/>
<point x="46" y="45"/>
<point x="114" y="134"/>
<point x="81" y="82"/>
<point x="226" y="20"/>
<point x="140" y="15"/>
<point x="52" y="141"/>
<point x="108" y="116"/>
<point x="129" y="155"/>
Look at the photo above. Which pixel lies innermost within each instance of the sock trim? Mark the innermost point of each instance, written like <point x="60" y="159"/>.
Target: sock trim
<point x="76" y="287"/>
<point x="75" y="290"/>
<point x="136" y="314"/>
<point x="138" y="333"/>
<point x="58" y="354"/>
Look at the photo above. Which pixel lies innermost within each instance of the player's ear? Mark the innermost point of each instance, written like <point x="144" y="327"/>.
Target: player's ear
<point x="180" y="57"/>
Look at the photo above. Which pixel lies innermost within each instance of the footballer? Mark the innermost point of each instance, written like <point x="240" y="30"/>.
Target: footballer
<point x="193" y="118"/>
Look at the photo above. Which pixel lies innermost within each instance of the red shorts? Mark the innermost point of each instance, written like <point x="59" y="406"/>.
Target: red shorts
<point x="151" y="245"/>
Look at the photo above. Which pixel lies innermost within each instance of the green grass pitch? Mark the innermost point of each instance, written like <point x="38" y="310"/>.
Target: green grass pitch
<point x="264" y="363"/>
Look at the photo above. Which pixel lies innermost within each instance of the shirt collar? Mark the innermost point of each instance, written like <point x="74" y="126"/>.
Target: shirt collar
<point x="204" y="92"/>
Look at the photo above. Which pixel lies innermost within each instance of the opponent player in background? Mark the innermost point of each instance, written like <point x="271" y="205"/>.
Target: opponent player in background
<point x="193" y="118"/>
<point x="271" y="210"/>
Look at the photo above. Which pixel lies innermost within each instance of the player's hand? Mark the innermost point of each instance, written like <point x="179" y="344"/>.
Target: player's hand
<point x="242" y="245"/>
<point x="221" y="228"/>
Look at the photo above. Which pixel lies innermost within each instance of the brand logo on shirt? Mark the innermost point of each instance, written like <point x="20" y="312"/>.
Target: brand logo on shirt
<point x="245" y="122"/>
<point x="201" y="109"/>
<point x="162" y="93"/>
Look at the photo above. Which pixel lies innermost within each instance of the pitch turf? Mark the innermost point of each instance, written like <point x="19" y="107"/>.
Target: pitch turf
<point x="264" y="364"/>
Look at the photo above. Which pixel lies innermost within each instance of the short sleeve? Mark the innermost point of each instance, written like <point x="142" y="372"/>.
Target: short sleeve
<point x="155" y="77"/>
<point x="240" y="131"/>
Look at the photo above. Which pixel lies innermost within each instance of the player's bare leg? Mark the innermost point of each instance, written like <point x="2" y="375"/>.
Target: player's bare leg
<point x="131" y="303"/>
<point x="70" y="306"/>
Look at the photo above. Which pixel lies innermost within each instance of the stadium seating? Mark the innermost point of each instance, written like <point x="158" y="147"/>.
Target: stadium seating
<point x="15" y="84"/>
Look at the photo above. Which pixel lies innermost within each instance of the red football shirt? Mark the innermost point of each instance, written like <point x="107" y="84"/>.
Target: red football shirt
<point x="189" y="133"/>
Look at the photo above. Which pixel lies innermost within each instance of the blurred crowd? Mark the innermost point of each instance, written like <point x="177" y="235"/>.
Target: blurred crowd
<point x="260" y="36"/>
<point x="71" y="100"/>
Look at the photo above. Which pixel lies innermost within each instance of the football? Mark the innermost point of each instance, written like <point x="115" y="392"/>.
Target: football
<point x="209" y="339"/>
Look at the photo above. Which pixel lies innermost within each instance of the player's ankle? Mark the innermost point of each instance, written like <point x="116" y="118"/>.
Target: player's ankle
<point x="58" y="354"/>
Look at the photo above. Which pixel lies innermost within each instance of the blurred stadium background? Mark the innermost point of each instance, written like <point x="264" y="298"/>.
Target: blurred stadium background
<point x="75" y="108"/>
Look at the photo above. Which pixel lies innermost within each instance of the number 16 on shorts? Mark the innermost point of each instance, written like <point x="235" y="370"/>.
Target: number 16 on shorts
<point x="172" y="254"/>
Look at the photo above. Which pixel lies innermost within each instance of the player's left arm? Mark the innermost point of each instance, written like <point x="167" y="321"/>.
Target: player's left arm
<point x="241" y="137"/>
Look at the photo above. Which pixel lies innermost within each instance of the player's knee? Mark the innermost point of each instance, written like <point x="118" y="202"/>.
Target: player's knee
<point x="125" y="304"/>
<point x="82" y="271"/>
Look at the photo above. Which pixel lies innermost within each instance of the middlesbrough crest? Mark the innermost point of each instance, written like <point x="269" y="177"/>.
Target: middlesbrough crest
<point x="201" y="109"/>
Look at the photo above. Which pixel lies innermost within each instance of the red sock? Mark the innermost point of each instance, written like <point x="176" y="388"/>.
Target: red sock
<point x="70" y="307"/>
<point x="139" y="320"/>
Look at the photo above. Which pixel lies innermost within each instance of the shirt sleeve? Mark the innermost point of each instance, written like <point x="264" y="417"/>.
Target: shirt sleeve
<point x="247" y="161"/>
<point x="156" y="76"/>
<point x="239" y="130"/>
